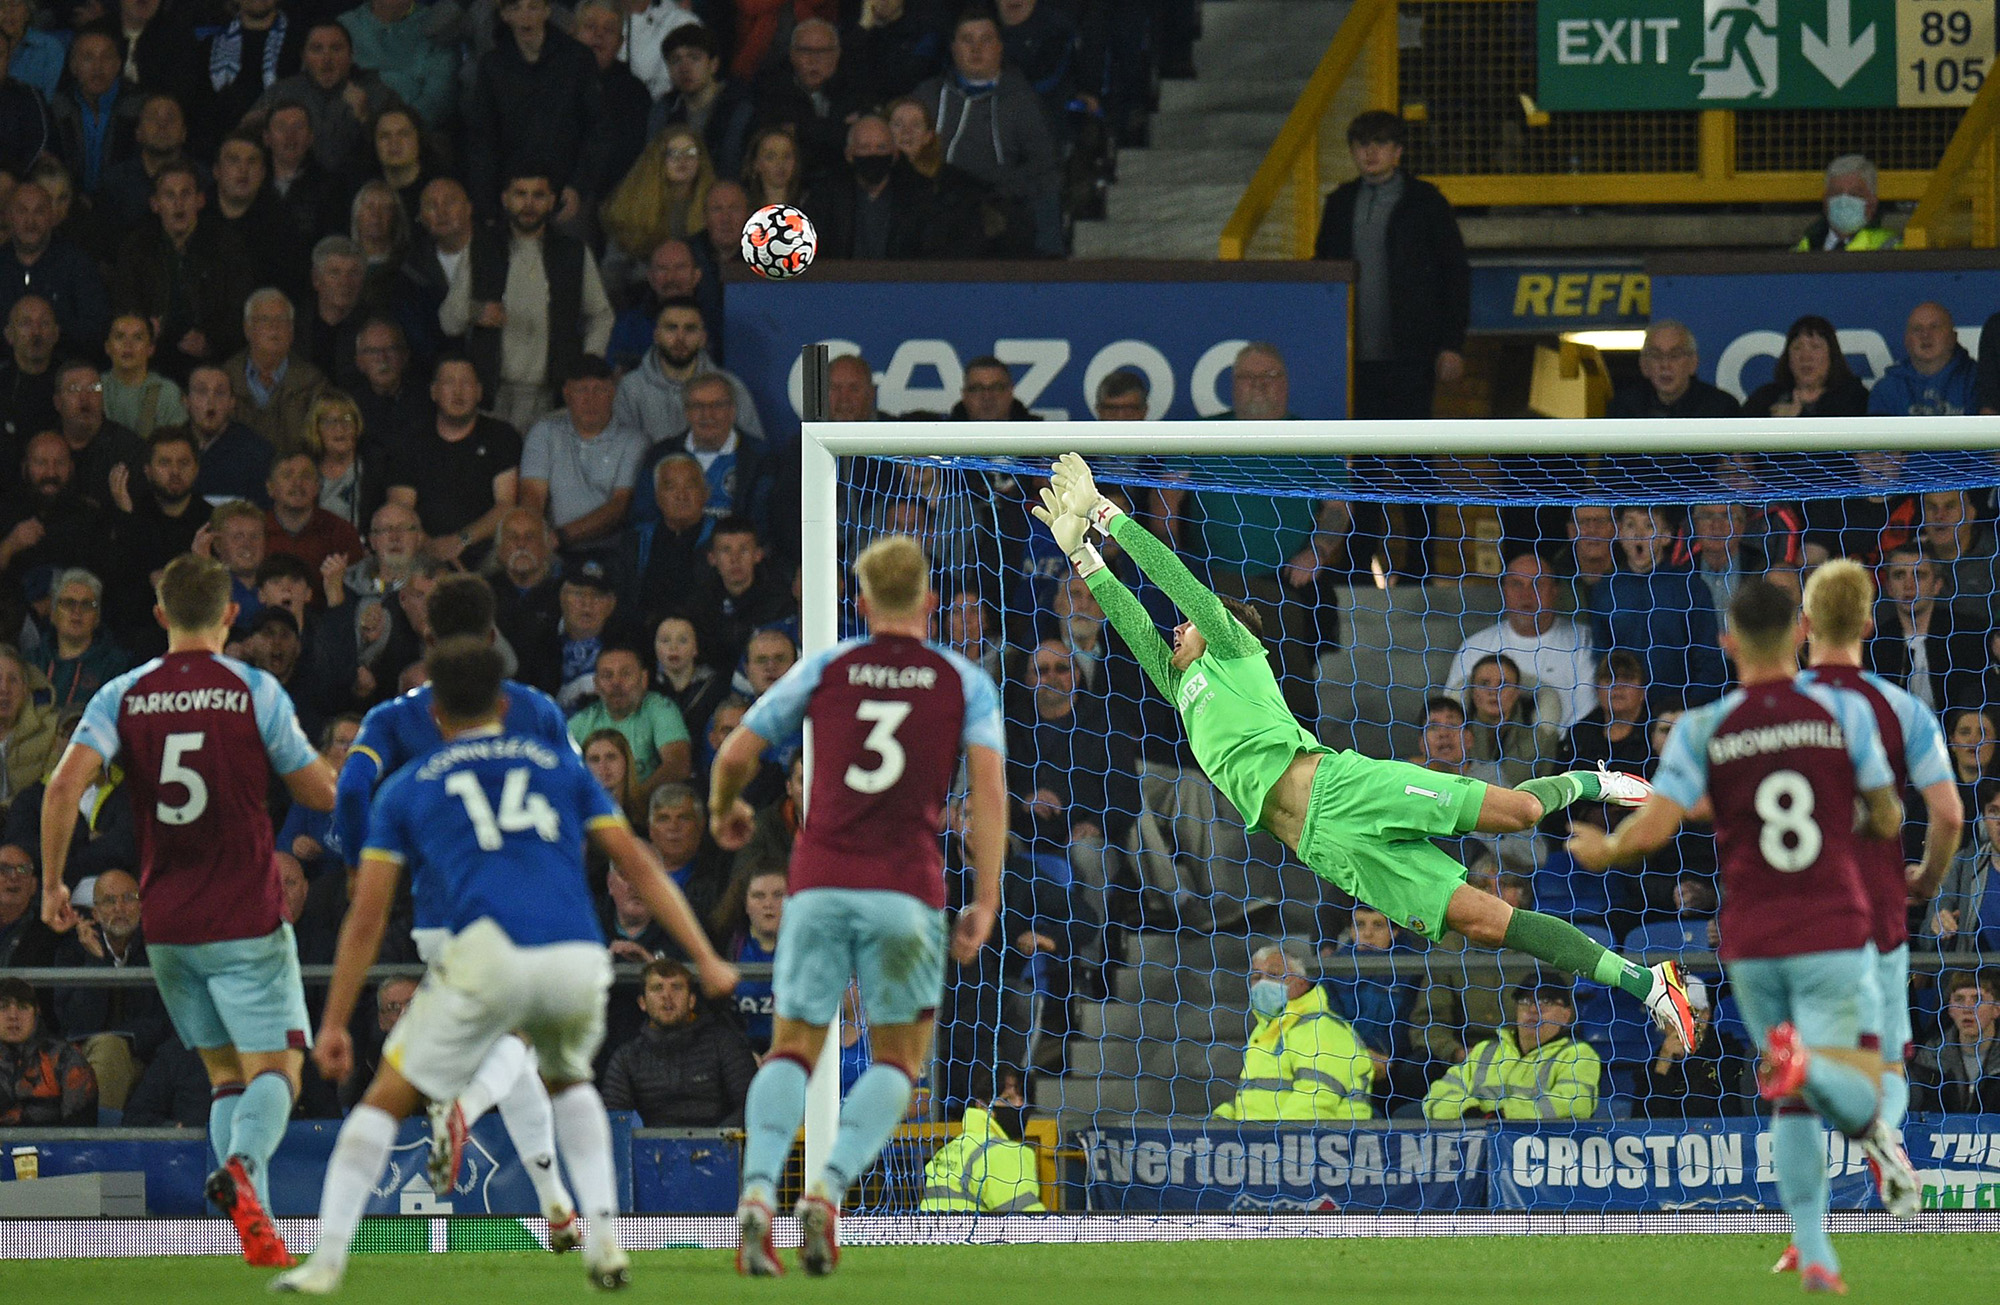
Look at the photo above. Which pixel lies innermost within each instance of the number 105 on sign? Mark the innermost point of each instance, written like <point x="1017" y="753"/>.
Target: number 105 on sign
<point x="1945" y="50"/>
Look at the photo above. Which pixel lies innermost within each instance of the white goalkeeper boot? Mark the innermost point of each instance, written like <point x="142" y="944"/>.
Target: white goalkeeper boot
<point x="1668" y="1002"/>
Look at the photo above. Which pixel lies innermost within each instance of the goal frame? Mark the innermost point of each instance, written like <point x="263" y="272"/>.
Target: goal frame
<point x="823" y="443"/>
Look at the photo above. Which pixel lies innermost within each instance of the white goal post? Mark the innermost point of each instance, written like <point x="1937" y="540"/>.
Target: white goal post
<point x="823" y="443"/>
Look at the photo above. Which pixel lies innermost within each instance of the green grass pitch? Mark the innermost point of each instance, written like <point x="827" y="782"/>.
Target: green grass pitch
<point x="1539" y="1270"/>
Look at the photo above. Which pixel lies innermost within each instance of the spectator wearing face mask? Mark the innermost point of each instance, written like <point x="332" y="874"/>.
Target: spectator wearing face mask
<point x="1303" y="1061"/>
<point x="1848" y="221"/>
<point x="871" y="209"/>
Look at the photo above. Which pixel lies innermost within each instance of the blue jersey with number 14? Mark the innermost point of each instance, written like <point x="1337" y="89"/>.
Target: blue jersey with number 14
<point x="493" y="826"/>
<point x="399" y="731"/>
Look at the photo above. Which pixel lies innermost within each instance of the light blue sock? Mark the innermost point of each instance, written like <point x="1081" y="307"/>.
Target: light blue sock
<point x="874" y="1106"/>
<point x="772" y="1113"/>
<point x="1798" y="1153"/>
<point x="1839" y="1094"/>
<point x="222" y="1119"/>
<point x="1895" y="1099"/>
<point x="261" y="1115"/>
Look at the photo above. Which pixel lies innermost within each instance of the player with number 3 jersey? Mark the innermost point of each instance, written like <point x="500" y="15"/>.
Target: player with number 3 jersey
<point x="193" y="731"/>
<point x="886" y="719"/>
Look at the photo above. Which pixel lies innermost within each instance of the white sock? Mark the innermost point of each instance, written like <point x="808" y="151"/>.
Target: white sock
<point x="359" y="1155"/>
<point x="585" y="1136"/>
<point x="531" y="1125"/>
<point x="495" y="1076"/>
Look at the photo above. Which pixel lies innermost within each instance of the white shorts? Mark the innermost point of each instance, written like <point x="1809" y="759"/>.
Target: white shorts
<point x="891" y="943"/>
<point x="481" y="987"/>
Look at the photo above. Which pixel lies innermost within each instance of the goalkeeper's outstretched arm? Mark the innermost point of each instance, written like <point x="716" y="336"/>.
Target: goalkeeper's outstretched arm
<point x="1226" y="635"/>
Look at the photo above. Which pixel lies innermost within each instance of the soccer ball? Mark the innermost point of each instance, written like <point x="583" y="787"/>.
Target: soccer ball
<point x="779" y="242"/>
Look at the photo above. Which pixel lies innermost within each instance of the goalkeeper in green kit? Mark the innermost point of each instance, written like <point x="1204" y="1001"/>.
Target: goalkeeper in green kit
<point x="1362" y="824"/>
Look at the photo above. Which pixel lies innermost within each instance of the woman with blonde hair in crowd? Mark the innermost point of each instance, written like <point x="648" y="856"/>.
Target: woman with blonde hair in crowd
<point x="353" y="481"/>
<point x="27" y="729"/>
<point x="664" y="195"/>
<point x="378" y="224"/>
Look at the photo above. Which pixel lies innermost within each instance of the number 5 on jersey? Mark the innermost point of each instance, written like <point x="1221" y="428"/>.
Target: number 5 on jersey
<point x="520" y="810"/>
<point x="173" y="770"/>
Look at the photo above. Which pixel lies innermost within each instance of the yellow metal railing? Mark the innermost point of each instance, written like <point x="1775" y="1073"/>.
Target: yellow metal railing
<point x="1710" y="157"/>
<point x="1960" y="208"/>
<point x="1293" y="159"/>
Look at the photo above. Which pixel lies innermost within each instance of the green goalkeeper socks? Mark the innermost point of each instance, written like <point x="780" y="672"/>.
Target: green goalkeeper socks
<point x="1558" y="791"/>
<point x="1567" y="947"/>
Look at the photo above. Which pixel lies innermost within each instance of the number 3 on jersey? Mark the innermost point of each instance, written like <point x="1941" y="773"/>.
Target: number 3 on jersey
<point x="520" y="810"/>
<point x="1790" y="838"/>
<point x="885" y="718"/>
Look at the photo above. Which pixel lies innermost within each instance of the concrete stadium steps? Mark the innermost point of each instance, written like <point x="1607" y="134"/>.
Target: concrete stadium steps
<point x="1396" y="647"/>
<point x="1209" y="135"/>
<point x="1159" y="1021"/>
<point x="1078" y="1100"/>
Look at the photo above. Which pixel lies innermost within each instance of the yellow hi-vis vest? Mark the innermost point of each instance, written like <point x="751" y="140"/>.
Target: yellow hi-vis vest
<point x="982" y="1171"/>
<point x="1304" y="1064"/>
<point x="1861" y="242"/>
<point x="1557" y="1080"/>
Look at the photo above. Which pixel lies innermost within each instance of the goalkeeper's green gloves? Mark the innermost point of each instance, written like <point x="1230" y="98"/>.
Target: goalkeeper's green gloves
<point x="1077" y="491"/>
<point x="1069" y="530"/>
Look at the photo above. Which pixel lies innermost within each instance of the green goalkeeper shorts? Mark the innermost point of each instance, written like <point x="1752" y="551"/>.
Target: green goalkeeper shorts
<point x="1368" y="828"/>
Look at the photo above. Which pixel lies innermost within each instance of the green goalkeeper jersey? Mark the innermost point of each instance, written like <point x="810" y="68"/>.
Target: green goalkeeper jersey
<point x="1239" y="727"/>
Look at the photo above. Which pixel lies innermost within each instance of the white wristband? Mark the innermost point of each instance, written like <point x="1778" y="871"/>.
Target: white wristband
<point x="1086" y="560"/>
<point x="1103" y="514"/>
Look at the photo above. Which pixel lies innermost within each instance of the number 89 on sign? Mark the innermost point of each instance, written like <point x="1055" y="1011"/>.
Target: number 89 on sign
<point x="1945" y="50"/>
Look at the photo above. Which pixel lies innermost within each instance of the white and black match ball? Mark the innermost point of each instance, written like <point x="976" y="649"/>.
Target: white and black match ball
<point x="779" y="242"/>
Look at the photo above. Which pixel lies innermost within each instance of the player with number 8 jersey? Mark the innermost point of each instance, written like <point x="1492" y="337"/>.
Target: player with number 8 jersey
<point x="197" y="735"/>
<point x="1786" y="764"/>
<point x="886" y="719"/>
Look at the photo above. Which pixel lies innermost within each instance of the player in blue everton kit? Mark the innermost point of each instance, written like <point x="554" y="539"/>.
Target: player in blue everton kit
<point x="494" y="824"/>
<point x="394" y="733"/>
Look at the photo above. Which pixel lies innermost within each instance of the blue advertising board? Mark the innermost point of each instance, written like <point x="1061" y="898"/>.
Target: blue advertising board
<point x="1740" y="306"/>
<point x="1513" y="296"/>
<point x="1227" y="1167"/>
<point x="1587" y="1166"/>
<point x="1060" y="327"/>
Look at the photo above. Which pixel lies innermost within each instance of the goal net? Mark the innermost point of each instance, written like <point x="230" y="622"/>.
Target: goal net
<point x="1502" y="600"/>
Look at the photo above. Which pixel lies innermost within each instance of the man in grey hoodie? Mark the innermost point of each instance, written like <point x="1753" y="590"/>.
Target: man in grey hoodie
<point x="652" y="396"/>
<point x="992" y="126"/>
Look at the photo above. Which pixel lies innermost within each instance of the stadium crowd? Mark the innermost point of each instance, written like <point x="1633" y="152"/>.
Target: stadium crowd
<point x="352" y="300"/>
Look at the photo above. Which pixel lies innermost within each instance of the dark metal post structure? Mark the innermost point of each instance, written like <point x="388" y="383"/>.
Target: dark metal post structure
<point x="818" y="360"/>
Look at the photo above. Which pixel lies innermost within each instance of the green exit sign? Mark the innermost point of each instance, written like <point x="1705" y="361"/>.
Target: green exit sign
<point x="1757" y="54"/>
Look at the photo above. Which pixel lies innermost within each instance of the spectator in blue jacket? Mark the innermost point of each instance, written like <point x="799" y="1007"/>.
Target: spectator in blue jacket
<point x="1659" y="611"/>
<point x="1935" y="379"/>
<point x="1376" y="1006"/>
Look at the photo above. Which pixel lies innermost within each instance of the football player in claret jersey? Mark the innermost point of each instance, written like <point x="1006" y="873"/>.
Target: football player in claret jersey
<point x="1783" y="762"/>
<point x="1838" y="601"/>
<point x="192" y="731"/>
<point x="1361" y="823"/>
<point x="497" y="822"/>
<point x="890" y="715"/>
<point x="394" y="733"/>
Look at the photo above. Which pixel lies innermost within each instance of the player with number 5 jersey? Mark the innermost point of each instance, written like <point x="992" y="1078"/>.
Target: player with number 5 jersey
<point x="197" y="735"/>
<point x="886" y="720"/>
